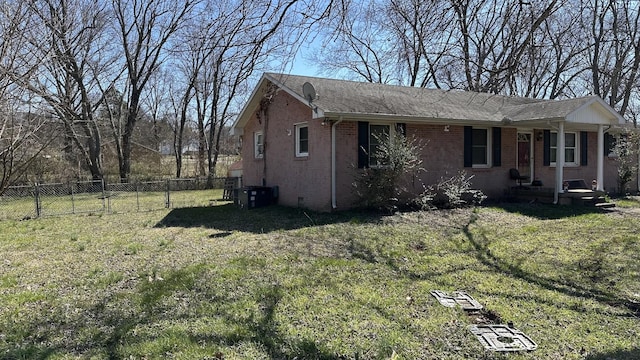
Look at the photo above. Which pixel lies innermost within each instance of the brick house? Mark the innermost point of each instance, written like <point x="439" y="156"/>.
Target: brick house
<point x="310" y="147"/>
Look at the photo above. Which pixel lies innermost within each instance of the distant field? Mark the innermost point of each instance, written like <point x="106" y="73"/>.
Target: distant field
<point x="190" y="165"/>
<point x="217" y="282"/>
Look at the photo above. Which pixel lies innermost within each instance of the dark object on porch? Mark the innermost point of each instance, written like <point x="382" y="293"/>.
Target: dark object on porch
<point x="514" y="174"/>
<point x="536" y="183"/>
<point x="577" y="184"/>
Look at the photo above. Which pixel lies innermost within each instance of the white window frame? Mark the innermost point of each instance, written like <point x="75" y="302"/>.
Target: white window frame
<point x="370" y="152"/>
<point x="298" y="127"/>
<point x="487" y="149"/>
<point x="258" y="145"/>
<point x="554" y="149"/>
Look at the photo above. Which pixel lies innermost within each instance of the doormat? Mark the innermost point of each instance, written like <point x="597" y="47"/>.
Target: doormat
<point x="457" y="298"/>
<point x="502" y="338"/>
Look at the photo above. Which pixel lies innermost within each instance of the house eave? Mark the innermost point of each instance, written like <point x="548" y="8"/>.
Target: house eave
<point x="410" y="119"/>
<point x="237" y="128"/>
<point x="255" y="98"/>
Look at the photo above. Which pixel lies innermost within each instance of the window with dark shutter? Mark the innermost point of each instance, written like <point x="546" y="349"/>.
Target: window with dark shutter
<point x="477" y="147"/>
<point x="468" y="144"/>
<point x="496" y="143"/>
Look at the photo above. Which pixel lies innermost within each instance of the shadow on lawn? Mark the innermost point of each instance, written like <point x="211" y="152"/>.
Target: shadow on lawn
<point x="486" y="257"/>
<point x="616" y="355"/>
<point x="148" y="323"/>
<point x="229" y="218"/>
<point x="548" y="211"/>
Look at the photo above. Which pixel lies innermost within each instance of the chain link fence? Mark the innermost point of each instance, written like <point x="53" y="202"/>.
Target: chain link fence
<point x="26" y="202"/>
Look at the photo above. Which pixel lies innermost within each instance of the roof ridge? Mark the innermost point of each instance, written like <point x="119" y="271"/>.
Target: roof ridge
<point x="279" y="76"/>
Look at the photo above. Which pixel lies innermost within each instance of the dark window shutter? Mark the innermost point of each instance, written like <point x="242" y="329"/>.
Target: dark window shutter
<point x="363" y="144"/>
<point x="546" y="152"/>
<point x="401" y="128"/>
<point x="496" y="140"/>
<point x="583" y="148"/>
<point x="468" y="146"/>
<point x="608" y="144"/>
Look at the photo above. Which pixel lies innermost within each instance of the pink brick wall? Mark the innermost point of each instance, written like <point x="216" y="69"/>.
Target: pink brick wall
<point x="302" y="181"/>
<point x="442" y="157"/>
<point x="306" y="182"/>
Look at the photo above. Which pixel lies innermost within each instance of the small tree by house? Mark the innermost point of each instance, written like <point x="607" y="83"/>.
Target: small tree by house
<point x="383" y="187"/>
<point x="626" y="154"/>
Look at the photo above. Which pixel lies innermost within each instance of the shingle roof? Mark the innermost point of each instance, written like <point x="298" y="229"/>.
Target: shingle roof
<point x="547" y="109"/>
<point x="361" y="98"/>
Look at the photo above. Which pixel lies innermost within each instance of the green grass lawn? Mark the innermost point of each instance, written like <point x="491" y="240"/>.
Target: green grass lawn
<point x="276" y="283"/>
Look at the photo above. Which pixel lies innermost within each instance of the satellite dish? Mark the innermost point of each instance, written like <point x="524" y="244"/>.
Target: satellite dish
<point x="309" y="91"/>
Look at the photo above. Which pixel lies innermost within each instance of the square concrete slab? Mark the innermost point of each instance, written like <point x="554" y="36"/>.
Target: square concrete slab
<point x="502" y="338"/>
<point x="457" y="298"/>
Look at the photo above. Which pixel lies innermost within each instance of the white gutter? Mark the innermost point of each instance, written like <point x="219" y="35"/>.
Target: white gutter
<point x="334" y="204"/>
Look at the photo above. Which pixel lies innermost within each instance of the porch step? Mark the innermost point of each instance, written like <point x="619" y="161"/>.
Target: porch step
<point x="597" y="201"/>
<point x="605" y="205"/>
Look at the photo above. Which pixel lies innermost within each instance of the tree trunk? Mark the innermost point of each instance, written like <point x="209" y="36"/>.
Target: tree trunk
<point x="125" y="163"/>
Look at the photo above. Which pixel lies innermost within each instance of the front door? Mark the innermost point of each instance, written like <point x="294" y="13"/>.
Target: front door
<point x="525" y="154"/>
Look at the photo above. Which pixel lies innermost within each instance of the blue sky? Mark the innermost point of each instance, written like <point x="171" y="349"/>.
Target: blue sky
<point x="302" y="66"/>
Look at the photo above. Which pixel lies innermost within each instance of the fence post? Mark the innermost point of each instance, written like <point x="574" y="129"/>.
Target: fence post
<point x="167" y="203"/>
<point x="36" y="194"/>
<point x="138" y="194"/>
<point x="104" y="194"/>
<point x="73" y="203"/>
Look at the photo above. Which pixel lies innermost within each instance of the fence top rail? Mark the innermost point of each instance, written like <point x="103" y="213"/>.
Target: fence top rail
<point x="200" y="179"/>
<point x="20" y="187"/>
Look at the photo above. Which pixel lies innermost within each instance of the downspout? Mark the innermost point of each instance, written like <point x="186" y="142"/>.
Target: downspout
<point x="334" y="204"/>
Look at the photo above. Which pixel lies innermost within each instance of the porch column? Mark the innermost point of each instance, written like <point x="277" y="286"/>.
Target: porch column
<point x="600" y="157"/>
<point x="559" y="161"/>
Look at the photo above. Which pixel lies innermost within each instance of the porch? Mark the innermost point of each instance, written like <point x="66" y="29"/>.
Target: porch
<point x="545" y="195"/>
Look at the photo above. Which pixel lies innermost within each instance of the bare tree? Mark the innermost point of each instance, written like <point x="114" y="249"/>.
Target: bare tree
<point x="220" y="52"/>
<point x="614" y="53"/>
<point x="359" y="44"/>
<point x="66" y="78"/>
<point x="551" y="65"/>
<point x="193" y="54"/>
<point x="157" y="101"/>
<point x="477" y="45"/>
<point x="169" y="104"/>
<point x="493" y="38"/>
<point x="424" y="42"/>
<point x="251" y="35"/>
<point x="145" y="29"/>
<point x="21" y="137"/>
